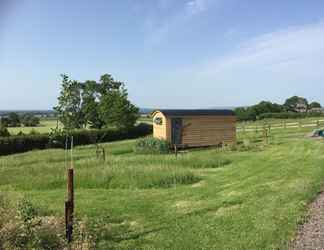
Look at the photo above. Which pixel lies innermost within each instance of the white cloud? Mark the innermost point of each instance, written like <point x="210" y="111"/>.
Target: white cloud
<point x="161" y="28"/>
<point x="194" y="7"/>
<point x="281" y="51"/>
<point x="270" y="66"/>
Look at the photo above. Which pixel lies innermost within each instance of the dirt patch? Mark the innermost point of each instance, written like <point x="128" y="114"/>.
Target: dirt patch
<point x="187" y="206"/>
<point x="311" y="234"/>
<point x="198" y="184"/>
<point x="232" y="193"/>
<point x="226" y="210"/>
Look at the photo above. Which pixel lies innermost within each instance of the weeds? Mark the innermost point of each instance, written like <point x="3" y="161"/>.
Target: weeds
<point x="150" y="145"/>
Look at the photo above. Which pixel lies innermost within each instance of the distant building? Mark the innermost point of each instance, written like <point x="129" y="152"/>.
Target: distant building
<point x="301" y="107"/>
<point x="316" y="110"/>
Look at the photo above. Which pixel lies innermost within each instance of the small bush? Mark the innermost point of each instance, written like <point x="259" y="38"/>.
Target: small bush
<point x="33" y="132"/>
<point x="150" y="145"/>
<point x="4" y="131"/>
<point x="26" y="210"/>
<point x="20" y="133"/>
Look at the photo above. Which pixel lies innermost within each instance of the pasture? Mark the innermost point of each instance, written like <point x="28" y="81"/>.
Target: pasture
<point x="45" y="127"/>
<point x="249" y="197"/>
<point x="47" y="124"/>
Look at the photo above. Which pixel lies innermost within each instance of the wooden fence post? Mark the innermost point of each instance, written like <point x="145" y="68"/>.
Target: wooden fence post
<point x="264" y="134"/>
<point x="69" y="205"/>
<point x="175" y="150"/>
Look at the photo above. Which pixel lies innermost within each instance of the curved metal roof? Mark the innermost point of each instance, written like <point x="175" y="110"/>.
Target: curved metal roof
<point x="196" y="112"/>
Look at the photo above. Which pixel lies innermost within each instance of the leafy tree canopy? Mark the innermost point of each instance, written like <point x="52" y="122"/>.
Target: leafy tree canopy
<point x="295" y="103"/>
<point x="95" y="104"/>
<point x="4" y="131"/>
<point x="315" y="105"/>
<point x="266" y="109"/>
<point x="14" y="120"/>
<point x="29" y="120"/>
<point x="69" y="104"/>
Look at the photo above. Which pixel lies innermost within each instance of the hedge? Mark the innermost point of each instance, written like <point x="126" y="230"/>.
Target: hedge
<point x="19" y="144"/>
<point x="288" y="115"/>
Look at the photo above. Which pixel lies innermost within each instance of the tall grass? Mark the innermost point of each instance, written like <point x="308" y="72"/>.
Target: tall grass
<point x="203" y="199"/>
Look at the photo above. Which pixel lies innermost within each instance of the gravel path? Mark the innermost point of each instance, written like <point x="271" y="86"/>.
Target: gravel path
<point x="311" y="234"/>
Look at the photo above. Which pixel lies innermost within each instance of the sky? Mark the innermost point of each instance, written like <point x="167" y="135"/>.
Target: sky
<point x="169" y="53"/>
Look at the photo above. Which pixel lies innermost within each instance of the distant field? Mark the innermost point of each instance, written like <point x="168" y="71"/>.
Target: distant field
<point x="44" y="127"/>
<point x="47" y="124"/>
<point x="251" y="198"/>
<point x="145" y="119"/>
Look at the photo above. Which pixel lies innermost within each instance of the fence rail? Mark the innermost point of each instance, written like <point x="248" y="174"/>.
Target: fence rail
<point x="279" y="125"/>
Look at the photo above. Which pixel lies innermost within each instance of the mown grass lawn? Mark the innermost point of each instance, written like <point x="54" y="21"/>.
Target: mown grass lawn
<point x="204" y="199"/>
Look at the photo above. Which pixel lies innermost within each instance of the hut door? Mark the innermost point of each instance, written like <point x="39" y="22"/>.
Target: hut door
<point x="176" y="131"/>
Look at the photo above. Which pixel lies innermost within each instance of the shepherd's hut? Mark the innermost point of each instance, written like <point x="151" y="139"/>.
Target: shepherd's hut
<point x="195" y="128"/>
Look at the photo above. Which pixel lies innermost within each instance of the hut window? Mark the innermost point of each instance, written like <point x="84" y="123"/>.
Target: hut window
<point x="158" y="120"/>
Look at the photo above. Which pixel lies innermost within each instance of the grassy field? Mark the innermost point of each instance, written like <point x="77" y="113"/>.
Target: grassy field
<point x="44" y="127"/>
<point x="47" y="124"/>
<point x="288" y="122"/>
<point x="250" y="198"/>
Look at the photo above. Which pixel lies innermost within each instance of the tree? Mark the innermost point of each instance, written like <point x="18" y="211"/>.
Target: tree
<point x="116" y="110"/>
<point x="108" y="84"/>
<point x="245" y="114"/>
<point x="253" y="112"/>
<point x="96" y="104"/>
<point x="267" y="107"/>
<point x="4" y="122"/>
<point x="90" y="104"/>
<point x="296" y="104"/>
<point x="315" y="105"/>
<point x="14" y="120"/>
<point x="69" y="108"/>
<point x="29" y="120"/>
<point x="4" y="131"/>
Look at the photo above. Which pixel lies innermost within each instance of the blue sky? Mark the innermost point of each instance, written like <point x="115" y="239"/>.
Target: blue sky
<point x="170" y="53"/>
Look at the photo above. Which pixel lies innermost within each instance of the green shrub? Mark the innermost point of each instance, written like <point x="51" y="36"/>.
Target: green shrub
<point x="26" y="210"/>
<point x="33" y="132"/>
<point x="20" y="133"/>
<point x="151" y="145"/>
<point x="4" y="131"/>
